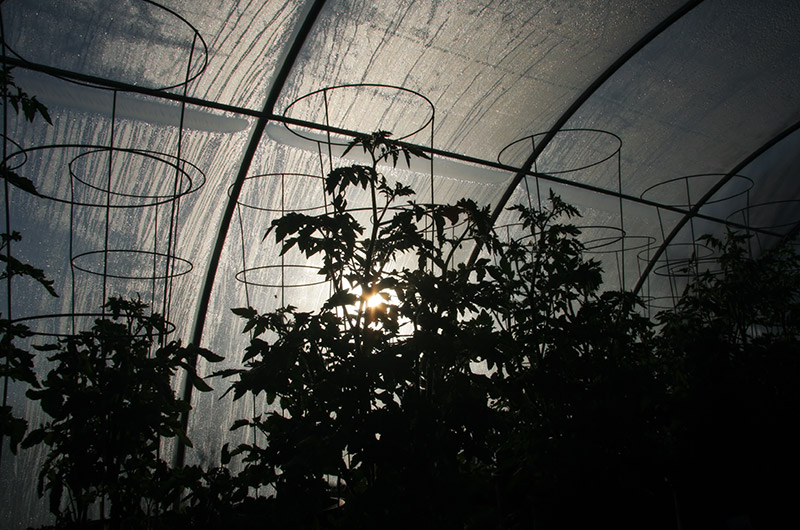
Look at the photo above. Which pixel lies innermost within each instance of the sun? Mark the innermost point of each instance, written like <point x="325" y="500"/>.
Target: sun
<point x="375" y="300"/>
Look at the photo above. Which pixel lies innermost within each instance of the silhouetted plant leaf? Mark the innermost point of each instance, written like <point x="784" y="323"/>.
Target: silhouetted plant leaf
<point x="238" y="424"/>
<point x="110" y="389"/>
<point x="18" y="98"/>
<point x="34" y="437"/>
<point x="245" y="312"/>
<point x="196" y="380"/>
<point x="340" y="299"/>
<point x="12" y="427"/>
<point x="23" y="183"/>
<point x="225" y="457"/>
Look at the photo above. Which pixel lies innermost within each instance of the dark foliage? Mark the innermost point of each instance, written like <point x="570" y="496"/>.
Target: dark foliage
<point x="374" y="404"/>
<point x="509" y="393"/>
<point x="110" y="400"/>
<point x="470" y="394"/>
<point x="19" y="99"/>
<point x="730" y="349"/>
<point x="16" y="364"/>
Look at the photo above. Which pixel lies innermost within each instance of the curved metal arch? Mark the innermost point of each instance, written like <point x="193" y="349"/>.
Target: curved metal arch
<point x="693" y="212"/>
<point x="104" y="85"/>
<point x="451" y="155"/>
<point x="266" y="115"/>
<point x="585" y="95"/>
<point x="255" y="139"/>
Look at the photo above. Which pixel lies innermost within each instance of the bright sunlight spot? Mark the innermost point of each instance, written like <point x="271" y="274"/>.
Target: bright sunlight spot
<point x="375" y="300"/>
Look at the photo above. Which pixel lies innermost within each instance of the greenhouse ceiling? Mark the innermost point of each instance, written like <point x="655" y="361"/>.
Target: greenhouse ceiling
<point x="181" y="129"/>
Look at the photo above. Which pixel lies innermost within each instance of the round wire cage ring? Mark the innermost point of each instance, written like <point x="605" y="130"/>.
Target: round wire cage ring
<point x="246" y="276"/>
<point x="86" y="321"/>
<point x="260" y="186"/>
<point x="581" y="148"/>
<point x="148" y="157"/>
<point x="737" y="186"/>
<point x="154" y="164"/>
<point x="111" y="24"/>
<point x="754" y="214"/>
<point x="683" y="267"/>
<point x="605" y="236"/>
<point x="362" y="107"/>
<point x="120" y="264"/>
<point x="627" y="243"/>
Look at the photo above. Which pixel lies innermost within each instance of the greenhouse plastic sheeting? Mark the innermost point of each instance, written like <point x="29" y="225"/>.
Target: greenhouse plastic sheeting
<point x="181" y="129"/>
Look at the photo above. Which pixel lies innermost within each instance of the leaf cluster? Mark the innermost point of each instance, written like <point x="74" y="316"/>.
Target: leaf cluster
<point x="20" y="99"/>
<point x="16" y="364"/>
<point x="463" y="371"/>
<point x="30" y="106"/>
<point x="110" y="401"/>
<point x="729" y="352"/>
<point x="498" y="393"/>
<point x="741" y="298"/>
